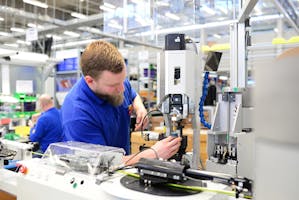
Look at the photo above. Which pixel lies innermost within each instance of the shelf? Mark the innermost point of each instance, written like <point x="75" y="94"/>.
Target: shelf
<point x="147" y="79"/>
<point x="67" y="72"/>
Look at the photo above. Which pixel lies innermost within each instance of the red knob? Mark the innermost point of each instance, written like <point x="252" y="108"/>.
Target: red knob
<point x="23" y="169"/>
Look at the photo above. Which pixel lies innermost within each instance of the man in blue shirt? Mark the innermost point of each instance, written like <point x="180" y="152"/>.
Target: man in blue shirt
<point x="97" y="109"/>
<point x="48" y="127"/>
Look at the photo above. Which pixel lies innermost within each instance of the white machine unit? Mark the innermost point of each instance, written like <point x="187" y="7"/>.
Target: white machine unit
<point x="230" y="143"/>
<point x="23" y="151"/>
<point x="78" y="171"/>
<point x="68" y="170"/>
<point x="180" y="72"/>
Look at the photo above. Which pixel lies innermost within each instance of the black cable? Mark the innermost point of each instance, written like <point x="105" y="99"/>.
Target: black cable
<point x="162" y="100"/>
<point x="142" y="122"/>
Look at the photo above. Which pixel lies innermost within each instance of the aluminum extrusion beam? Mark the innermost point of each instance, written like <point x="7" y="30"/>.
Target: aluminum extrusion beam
<point x="246" y="10"/>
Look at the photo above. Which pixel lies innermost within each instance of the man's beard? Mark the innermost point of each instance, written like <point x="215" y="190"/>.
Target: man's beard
<point x="114" y="100"/>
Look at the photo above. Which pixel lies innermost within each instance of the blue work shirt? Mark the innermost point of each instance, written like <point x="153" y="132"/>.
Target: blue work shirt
<point x="48" y="129"/>
<point x="87" y="118"/>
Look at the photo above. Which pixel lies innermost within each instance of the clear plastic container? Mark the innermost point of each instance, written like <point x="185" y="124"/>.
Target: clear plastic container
<point x="83" y="157"/>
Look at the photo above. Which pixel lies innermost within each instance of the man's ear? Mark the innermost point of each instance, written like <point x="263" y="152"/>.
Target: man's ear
<point x="88" y="80"/>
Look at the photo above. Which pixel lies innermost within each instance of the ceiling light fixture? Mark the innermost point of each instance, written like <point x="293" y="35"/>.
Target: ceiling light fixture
<point x="217" y="36"/>
<point x="36" y="3"/>
<point x="141" y="20"/>
<point x="205" y="26"/>
<point x="1" y="19"/>
<point x="208" y="10"/>
<point x="172" y="16"/>
<point x="5" y="34"/>
<point x="15" y="29"/>
<point x="224" y="10"/>
<point x="223" y="78"/>
<point x="73" y="44"/>
<point x="34" y="25"/>
<point x="103" y="7"/>
<point x="114" y="25"/>
<point x="30" y="57"/>
<point x="162" y="3"/>
<point x="78" y="15"/>
<point x="11" y="44"/>
<point x="70" y="33"/>
<point x="137" y="1"/>
<point x="108" y="5"/>
<point x="23" y="42"/>
<point x="55" y="37"/>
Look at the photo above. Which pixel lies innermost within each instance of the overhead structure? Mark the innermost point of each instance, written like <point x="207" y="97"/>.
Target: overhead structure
<point x="287" y="8"/>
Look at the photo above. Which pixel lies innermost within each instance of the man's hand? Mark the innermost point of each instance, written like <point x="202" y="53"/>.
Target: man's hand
<point x="34" y="119"/>
<point x="167" y="147"/>
<point x="140" y="114"/>
<point x="141" y="121"/>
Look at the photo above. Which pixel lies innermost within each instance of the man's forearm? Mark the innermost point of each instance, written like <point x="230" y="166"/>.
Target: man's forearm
<point x="134" y="158"/>
<point x="138" y="104"/>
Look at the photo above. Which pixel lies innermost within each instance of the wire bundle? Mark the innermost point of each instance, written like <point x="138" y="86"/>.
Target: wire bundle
<point x="205" y="86"/>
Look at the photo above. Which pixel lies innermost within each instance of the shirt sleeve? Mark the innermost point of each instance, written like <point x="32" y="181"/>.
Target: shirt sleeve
<point x="131" y="90"/>
<point x="37" y="131"/>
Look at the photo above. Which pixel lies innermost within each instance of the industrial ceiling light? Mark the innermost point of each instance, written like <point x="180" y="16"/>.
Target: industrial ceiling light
<point x="55" y="37"/>
<point x="1" y="19"/>
<point x="115" y="25"/>
<point x="107" y="7"/>
<point x="73" y="44"/>
<point x="137" y="1"/>
<point x="217" y="36"/>
<point x="11" y="44"/>
<point x="172" y="16"/>
<point x="78" y="15"/>
<point x="208" y="10"/>
<point x="36" y="3"/>
<point x="70" y="33"/>
<point x="5" y="34"/>
<point x="162" y="3"/>
<point x="102" y="7"/>
<point x="23" y="42"/>
<point x="34" y="25"/>
<point x="15" y="29"/>
<point x="223" y="78"/>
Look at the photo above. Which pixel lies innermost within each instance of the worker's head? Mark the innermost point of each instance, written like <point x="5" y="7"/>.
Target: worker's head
<point x="45" y="102"/>
<point x="104" y="71"/>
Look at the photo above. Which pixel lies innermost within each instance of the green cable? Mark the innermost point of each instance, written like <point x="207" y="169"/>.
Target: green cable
<point x="37" y="153"/>
<point x="194" y="188"/>
<point x="129" y="174"/>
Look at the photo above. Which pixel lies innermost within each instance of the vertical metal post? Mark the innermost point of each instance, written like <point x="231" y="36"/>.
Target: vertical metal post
<point x="238" y="68"/>
<point x="242" y="68"/>
<point x="196" y="143"/>
<point x="233" y="55"/>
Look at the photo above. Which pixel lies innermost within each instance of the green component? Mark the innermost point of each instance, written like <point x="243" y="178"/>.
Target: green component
<point x="75" y="185"/>
<point x="235" y="89"/>
<point x="11" y="136"/>
<point x="24" y="98"/>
